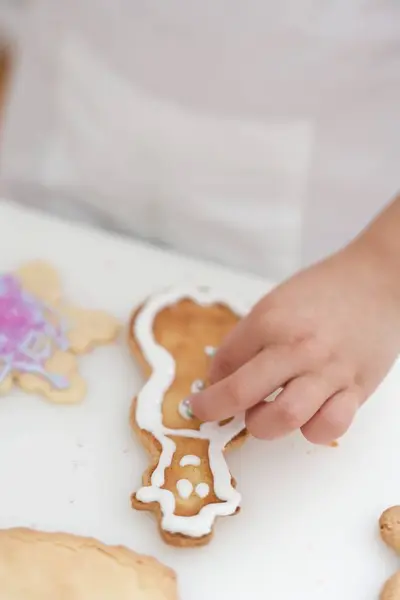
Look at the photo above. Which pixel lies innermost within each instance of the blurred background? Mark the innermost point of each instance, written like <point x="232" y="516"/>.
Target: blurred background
<point x="257" y="134"/>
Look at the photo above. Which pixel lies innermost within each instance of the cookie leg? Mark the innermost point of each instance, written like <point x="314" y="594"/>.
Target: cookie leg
<point x="179" y="488"/>
<point x="89" y="328"/>
<point x="61" y="382"/>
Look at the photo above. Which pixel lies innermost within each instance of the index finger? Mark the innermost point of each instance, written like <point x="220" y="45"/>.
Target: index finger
<point x="247" y="386"/>
<point x="238" y="347"/>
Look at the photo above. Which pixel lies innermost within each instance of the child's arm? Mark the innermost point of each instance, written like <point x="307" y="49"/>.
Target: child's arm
<point x="328" y="336"/>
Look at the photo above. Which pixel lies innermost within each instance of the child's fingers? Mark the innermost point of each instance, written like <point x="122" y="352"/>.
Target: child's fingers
<point x="333" y="419"/>
<point x="239" y="346"/>
<point x="249" y="385"/>
<point x="294" y="406"/>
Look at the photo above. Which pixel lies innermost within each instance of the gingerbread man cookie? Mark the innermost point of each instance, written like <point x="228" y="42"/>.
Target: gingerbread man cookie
<point x="40" y="335"/>
<point x="188" y="484"/>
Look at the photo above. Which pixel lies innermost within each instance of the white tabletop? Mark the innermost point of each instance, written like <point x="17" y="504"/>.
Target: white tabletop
<point x="308" y="525"/>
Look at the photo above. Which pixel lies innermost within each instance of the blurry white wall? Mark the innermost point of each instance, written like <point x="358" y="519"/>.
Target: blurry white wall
<point x="260" y="134"/>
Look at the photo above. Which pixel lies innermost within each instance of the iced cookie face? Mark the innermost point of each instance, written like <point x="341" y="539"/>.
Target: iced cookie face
<point x="174" y="337"/>
<point x="40" y="335"/>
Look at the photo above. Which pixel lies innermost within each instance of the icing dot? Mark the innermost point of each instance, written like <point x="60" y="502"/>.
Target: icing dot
<point x="197" y="386"/>
<point x="185" y="488"/>
<point x="184" y="409"/>
<point x="210" y="350"/>
<point x="190" y="459"/>
<point x="202" y="490"/>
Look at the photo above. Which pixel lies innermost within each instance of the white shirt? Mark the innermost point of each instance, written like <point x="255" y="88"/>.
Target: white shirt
<point x="261" y="134"/>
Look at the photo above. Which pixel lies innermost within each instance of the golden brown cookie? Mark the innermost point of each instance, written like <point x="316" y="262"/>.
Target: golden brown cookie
<point x="391" y="589"/>
<point x="40" y="335"/>
<point x="188" y="483"/>
<point x="58" y="566"/>
<point x="389" y="526"/>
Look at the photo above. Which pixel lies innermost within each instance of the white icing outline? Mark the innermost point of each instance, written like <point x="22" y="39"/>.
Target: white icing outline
<point x="149" y="418"/>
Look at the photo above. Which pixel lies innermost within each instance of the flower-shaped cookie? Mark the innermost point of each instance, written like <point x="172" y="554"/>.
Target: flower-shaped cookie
<point x="40" y="335"/>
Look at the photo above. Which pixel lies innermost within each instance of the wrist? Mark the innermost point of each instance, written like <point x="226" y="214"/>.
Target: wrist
<point x="377" y="251"/>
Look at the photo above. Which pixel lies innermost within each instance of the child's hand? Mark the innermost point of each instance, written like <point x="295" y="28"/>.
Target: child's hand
<point x="328" y="336"/>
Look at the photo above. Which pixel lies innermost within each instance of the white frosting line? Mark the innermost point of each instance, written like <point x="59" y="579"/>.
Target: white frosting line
<point x="149" y="418"/>
<point x="190" y="459"/>
<point x="202" y="490"/>
<point x="185" y="488"/>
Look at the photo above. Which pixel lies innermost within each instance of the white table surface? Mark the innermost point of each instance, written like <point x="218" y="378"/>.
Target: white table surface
<point x="308" y="525"/>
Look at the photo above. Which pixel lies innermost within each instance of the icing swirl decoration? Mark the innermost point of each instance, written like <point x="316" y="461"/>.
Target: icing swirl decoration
<point x="40" y="335"/>
<point x="30" y="331"/>
<point x="148" y="416"/>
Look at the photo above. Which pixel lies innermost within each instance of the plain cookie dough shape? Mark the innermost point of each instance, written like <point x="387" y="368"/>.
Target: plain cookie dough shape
<point x="40" y="335"/>
<point x="36" y="565"/>
<point x="170" y="335"/>
<point x="389" y="525"/>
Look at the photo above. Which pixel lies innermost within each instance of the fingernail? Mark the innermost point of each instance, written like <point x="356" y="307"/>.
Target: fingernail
<point x="272" y="397"/>
<point x="189" y="408"/>
<point x="185" y="408"/>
